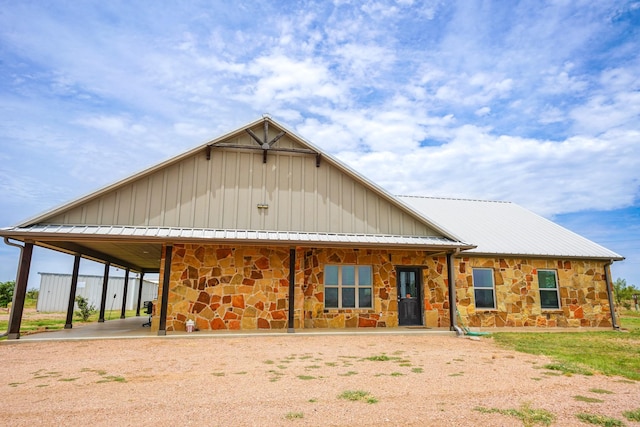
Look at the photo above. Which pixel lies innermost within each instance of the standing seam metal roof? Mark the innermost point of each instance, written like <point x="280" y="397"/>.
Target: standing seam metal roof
<point x="506" y="228"/>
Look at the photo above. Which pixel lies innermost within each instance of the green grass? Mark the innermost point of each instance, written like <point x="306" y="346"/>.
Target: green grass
<point x="587" y="399"/>
<point x="357" y="395"/>
<point x="632" y="415"/>
<point x="600" y="420"/>
<point x="630" y="319"/>
<point x="608" y="352"/>
<point x="381" y="358"/>
<point x="526" y="414"/>
<point x="306" y="377"/>
<point x="600" y="391"/>
<point x="294" y="415"/>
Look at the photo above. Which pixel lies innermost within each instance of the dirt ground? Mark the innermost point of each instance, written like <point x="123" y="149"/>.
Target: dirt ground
<point x="412" y="380"/>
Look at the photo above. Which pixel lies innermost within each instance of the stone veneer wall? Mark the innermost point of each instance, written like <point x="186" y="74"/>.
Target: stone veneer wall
<point x="385" y="305"/>
<point x="583" y="293"/>
<point x="224" y="287"/>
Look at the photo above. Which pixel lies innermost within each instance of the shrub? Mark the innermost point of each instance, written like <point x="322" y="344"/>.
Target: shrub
<point x="84" y="309"/>
<point x="6" y="293"/>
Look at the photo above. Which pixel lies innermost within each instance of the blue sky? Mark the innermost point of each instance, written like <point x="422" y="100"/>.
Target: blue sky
<point x="534" y="102"/>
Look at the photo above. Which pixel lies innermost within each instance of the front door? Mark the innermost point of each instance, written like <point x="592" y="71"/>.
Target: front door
<point x="409" y="296"/>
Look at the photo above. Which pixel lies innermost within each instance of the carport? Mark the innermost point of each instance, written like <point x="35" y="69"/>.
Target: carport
<point x="105" y="245"/>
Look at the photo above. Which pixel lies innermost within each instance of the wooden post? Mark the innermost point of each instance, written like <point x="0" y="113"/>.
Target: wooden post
<point x="140" y="294"/>
<point x="20" y="291"/>
<point x="164" y="301"/>
<point x="72" y="292"/>
<point x="124" y="295"/>
<point x="103" y="297"/>
<point x="452" y="291"/>
<point x="292" y="287"/>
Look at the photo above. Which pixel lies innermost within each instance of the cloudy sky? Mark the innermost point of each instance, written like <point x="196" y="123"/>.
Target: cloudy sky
<point x="534" y="102"/>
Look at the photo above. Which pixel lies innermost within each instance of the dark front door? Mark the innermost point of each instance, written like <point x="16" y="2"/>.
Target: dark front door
<point x="409" y="296"/>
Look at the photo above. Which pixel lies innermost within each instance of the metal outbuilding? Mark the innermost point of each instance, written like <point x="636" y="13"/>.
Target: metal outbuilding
<point x="54" y="291"/>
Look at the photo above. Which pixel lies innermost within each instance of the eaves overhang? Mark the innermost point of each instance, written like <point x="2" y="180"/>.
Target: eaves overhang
<point x="78" y="233"/>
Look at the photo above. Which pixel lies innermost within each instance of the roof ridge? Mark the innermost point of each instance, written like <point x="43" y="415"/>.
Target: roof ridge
<point x="455" y="198"/>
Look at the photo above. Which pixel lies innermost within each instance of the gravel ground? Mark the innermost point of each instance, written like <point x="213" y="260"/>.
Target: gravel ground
<point x="293" y="380"/>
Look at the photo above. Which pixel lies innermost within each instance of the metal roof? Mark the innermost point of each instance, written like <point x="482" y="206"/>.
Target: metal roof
<point x="504" y="228"/>
<point x="167" y="234"/>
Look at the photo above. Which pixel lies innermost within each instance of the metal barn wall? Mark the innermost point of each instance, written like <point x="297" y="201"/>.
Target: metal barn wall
<point x="55" y="288"/>
<point x="224" y="193"/>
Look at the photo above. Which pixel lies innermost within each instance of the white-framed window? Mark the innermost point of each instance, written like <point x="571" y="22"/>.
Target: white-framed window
<point x="348" y="286"/>
<point x="549" y="292"/>
<point x="483" y="288"/>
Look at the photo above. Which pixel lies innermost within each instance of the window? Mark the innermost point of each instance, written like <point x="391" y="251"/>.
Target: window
<point x="347" y="286"/>
<point x="548" y="284"/>
<point x="483" y="288"/>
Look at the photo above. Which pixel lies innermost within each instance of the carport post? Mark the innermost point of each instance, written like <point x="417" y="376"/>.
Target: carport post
<point x="20" y="291"/>
<point x="72" y="292"/>
<point x="164" y="301"/>
<point x="124" y="295"/>
<point x="103" y="297"/>
<point x="140" y="294"/>
<point x="292" y="288"/>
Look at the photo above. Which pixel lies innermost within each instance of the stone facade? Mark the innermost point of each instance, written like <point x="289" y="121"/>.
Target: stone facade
<point x="224" y="287"/>
<point x="583" y="293"/>
<point x="247" y="287"/>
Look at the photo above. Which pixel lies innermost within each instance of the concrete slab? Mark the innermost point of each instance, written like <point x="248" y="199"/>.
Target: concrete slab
<point x="132" y="328"/>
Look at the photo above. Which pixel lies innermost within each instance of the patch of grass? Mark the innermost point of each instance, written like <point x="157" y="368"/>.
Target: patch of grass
<point x="241" y="373"/>
<point x="632" y="415"/>
<point x="306" y="377"/>
<point x="348" y="374"/>
<point x="630" y="319"/>
<point x="112" y="378"/>
<point x="15" y="384"/>
<point x="381" y="358"/>
<point x="312" y="400"/>
<point x="417" y="370"/>
<point x="357" y="395"/>
<point x="580" y="398"/>
<point x="268" y="362"/>
<point x="526" y="414"/>
<point x="568" y="368"/>
<point x="609" y="352"/>
<point x="218" y="374"/>
<point x="68" y="379"/>
<point x="312" y="367"/>
<point x="396" y="374"/>
<point x="600" y="420"/>
<point x="405" y="364"/>
<point x="294" y="415"/>
<point x="457" y="374"/>
<point x="600" y="391"/>
<point x="331" y="363"/>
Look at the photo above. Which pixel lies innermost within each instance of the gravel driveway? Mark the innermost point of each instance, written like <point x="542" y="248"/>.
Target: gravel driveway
<point x="406" y="380"/>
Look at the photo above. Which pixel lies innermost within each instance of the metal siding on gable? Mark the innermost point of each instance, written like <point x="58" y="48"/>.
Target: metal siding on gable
<point x="123" y="215"/>
<point x="229" y="195"/>
<point x="188" y="178"/>
<point x="224" y="192"/>
<point x="139" y="204"/>
<point x="155" y="198"/>
<point x="202" y="192"/>
<point x="172" y="191"/>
